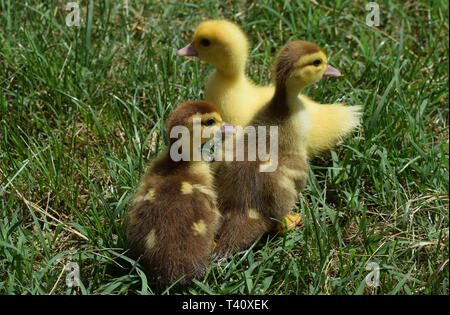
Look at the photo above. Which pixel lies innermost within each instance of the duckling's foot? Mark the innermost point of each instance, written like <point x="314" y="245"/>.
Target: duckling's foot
<point x="290" y="221"/>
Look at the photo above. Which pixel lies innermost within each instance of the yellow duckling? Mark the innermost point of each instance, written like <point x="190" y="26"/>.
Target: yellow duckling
<point x="174" y="219"/>
<point x="224" y="45"/>
<point x="250" y="196"/>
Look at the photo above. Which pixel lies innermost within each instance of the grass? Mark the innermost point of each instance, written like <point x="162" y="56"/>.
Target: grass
<point x="80" y="108"/>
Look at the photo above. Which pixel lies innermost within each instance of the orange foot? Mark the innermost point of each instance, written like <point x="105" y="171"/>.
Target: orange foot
<point x="290" y="221"/>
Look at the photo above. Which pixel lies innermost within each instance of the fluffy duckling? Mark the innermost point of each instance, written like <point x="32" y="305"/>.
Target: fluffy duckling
<point x="174" y="218"/>
<point x="224" y="45"/>
<point x="264" y="196"/>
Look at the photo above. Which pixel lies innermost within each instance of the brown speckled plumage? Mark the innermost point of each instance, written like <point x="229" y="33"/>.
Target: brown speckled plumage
<point x="173" y="220"/>
<point x="241" y="187"/>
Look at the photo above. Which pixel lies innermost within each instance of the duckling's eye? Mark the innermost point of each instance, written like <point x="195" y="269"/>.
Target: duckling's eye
<point x="205" y="42"/>
<point x="317" y="62"/>
<point x="209" y="122"/>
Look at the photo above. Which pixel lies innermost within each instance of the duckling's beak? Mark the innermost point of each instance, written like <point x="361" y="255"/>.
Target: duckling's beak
<point x="227" y="128"/>
<point x="189" y="50"/>
<point x="332" y="72"/>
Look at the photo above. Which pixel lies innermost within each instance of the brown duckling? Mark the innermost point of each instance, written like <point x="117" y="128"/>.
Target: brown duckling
<point x="252" y="199"/>
<point x="173" y="220"/>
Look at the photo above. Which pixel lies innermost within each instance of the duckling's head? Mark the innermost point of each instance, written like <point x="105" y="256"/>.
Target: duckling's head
<point x="220" y="43"/>
<point x="300" y="64"/>
<point x="200" y="114"/>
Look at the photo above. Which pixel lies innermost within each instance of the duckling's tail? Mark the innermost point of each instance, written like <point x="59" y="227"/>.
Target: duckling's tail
<point x="329" y="124"/>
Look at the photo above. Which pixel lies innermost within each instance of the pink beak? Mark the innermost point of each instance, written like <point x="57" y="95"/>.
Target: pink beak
<point x="189" y="50"/>
<point x="227" y="128"/>
<point x="332" y="72"/>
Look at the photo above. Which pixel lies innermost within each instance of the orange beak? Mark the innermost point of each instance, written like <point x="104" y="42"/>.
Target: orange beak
<point x="227" y="128"/>
<point x="189" y="50"/>
<point x="332" y="72"/>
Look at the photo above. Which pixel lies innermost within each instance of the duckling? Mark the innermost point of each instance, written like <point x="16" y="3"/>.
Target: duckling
<point x="224" y="45"/>
<point x="174" y="218"/>
<point x="267" y="195"/>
